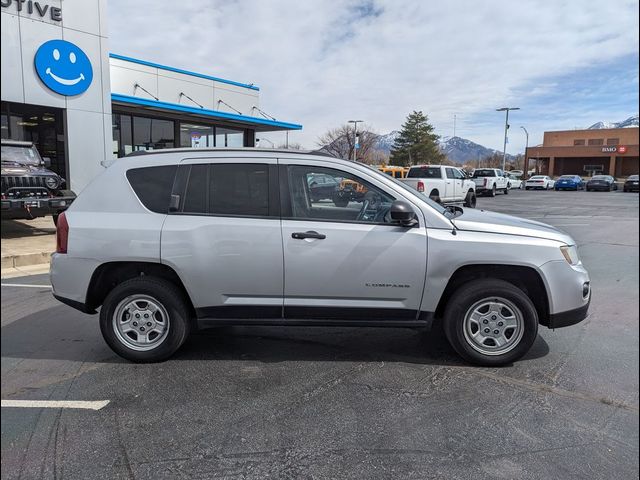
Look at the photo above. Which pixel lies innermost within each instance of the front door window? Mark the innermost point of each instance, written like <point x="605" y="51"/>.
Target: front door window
<point x="326" y="194"/>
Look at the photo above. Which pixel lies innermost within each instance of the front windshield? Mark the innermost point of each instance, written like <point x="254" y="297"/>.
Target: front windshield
<point x="633" y="177"/>
<point x="436" y="206"/>
<point x="21" y="155"/>
<point x="568" y="177"/>
<point x="600" y="177"/>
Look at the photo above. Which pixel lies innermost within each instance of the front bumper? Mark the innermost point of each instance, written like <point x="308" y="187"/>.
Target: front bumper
<point x="569" y="291"/>
<point x="32" y="207"/>
<point x="631" y="187"/>
<point x="570" y="317"/>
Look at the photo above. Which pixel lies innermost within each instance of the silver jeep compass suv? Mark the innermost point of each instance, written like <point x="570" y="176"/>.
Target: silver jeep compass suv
<point x="167" y="242"/>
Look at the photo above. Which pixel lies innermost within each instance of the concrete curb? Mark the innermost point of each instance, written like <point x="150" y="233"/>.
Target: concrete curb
<point x="25" y="260"/>
<point x="24" y="271"/>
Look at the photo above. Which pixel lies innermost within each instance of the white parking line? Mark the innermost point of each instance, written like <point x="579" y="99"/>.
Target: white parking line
<point x="24" y="285"/>
<point x="97" y="405"/>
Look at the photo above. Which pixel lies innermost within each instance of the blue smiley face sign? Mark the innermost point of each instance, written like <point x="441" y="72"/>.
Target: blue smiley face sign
<point x="63" y="67"/>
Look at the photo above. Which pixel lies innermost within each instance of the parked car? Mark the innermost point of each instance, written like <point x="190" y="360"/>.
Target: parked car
<point x="443" y="184"/>
<point x="516" y="173"/>
<point x="322" y="187"/>
<point x="514" y="182"/>
<point x="490" y="180"/>
<point x="543" y="182"/>
<point x="570" y="182"/>
<point x="602" y="183"/>
<point x="29" y="188"/>
<point x="631" y="185"/>
<point x="247" y="246"/>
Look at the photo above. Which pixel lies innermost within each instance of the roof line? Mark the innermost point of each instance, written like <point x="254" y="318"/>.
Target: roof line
<point x="185" y="72"/>
<point x="117" y="97"/>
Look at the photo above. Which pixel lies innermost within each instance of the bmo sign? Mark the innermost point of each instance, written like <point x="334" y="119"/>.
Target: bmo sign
<point x="614" y="149"/>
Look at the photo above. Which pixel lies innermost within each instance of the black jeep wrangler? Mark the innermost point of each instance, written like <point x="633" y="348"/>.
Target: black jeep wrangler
<point x="29" y="189"/>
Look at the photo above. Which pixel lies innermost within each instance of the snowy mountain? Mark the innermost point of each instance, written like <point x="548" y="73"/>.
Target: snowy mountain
<point x="457" y="149"/>
<point x="385" y="142"/>
<point x="630" y="122"/>
<point x="460" y="150"/>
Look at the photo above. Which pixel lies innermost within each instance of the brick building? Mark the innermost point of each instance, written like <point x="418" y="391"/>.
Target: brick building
<point x="612" y="151"/>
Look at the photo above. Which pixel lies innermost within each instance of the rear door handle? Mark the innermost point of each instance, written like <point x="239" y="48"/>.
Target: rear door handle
<point x="309" y="234"/>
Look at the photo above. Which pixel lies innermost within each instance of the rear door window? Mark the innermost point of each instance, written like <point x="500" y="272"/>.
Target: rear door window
<point x="239" y="189"/>
<point x="153" y="185"/>
<point x="234" y="189"/>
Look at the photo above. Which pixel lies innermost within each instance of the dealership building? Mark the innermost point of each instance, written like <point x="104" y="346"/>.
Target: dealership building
<point x="611" y="151"/>
<point x="83" y="106"/>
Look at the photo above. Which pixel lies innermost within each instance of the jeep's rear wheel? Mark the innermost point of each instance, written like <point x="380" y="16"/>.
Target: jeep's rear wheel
<point x="145" y="319"/>
<point x="490" y="322"/>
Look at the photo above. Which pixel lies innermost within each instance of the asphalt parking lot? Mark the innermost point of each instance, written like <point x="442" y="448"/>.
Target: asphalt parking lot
<point x="338" y="402"/>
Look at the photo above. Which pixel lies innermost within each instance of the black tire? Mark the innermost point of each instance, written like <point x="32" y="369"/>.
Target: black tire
<point x="527" y="188"/>
<point x="492" y="192"/>
<point x="506" y="191"/>
<point x="475" y="291"/>
<point x="168" y="296"/>
<point x="435" y="196"/>
<point x="470" y="200"/>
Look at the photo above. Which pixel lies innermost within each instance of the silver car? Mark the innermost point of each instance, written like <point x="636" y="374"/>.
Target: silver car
<point x="168" y="242"/>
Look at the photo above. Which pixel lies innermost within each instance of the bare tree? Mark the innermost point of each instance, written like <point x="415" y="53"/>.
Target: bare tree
<point x="339" y="142"/>
<point x="291" y="146"/>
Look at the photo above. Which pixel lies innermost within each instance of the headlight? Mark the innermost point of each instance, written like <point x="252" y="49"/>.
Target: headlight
<point x="570" y="253"/>
<point x="51" y="182"/>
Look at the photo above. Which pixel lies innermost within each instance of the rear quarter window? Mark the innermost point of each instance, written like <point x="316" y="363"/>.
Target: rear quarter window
<point x="153" y="185"/>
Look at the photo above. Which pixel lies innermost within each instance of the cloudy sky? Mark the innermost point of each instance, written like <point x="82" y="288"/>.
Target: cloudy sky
<point x="566" y="64"/>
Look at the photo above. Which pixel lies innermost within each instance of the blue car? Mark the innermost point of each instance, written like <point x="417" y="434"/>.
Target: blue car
<point x="570" y="182"/>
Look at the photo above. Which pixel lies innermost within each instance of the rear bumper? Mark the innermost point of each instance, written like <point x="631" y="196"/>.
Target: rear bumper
<point x="631" y="188"/>
<point x="31" y="207"/>
<point x="70" y="278"/>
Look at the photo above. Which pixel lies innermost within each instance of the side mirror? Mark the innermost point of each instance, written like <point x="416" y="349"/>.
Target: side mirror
<point x="403" y="213"/>
<point x="46" y="161"/>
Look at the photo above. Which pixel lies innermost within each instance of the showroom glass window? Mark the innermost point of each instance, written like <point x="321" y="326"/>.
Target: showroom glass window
<point x="229" y="137"/>
<point x="122" y="135"/>
<point x="41" y="125"/>
<point x="152" y="133"/>
<point x="196" y="136"/>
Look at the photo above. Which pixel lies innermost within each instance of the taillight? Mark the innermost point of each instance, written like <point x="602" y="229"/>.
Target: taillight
<point x="420" y="187"/>
<point x="62" y="234"/>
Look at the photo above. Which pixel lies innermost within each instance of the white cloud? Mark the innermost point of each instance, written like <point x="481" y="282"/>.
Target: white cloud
<point x="321" y="63"/>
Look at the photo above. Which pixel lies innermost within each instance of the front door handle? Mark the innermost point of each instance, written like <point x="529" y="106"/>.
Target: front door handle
<point x="309" y="234"/>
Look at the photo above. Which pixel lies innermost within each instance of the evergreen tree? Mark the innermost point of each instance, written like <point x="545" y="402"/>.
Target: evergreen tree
<point x="416" y="143"/>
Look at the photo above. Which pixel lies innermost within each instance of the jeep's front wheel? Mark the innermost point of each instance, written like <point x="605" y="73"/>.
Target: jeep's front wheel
<point x="145" y="319"/>
<point x="490" y="322"/>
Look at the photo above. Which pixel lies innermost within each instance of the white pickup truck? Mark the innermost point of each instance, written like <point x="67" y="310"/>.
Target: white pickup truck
<point x="490" y="180"/>
<point x="443" y="184"/>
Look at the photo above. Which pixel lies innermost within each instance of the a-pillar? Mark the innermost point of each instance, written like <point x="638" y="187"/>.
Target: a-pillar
<point x="552" y="166"/>
<point x="612" y="165"/>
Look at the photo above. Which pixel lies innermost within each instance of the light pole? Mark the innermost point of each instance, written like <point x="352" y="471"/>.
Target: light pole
<point x="355" y="137"/>
<point x="526" y="163"/>
<point x="506" y="127"/>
